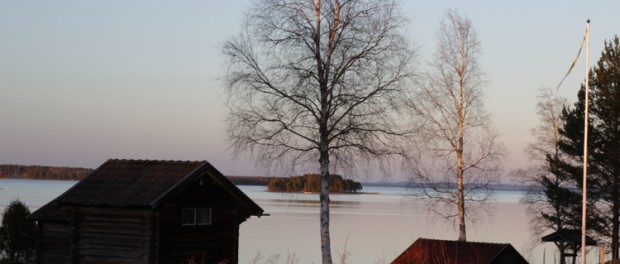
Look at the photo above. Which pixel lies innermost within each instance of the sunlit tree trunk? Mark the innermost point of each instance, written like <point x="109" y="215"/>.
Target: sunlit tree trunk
<point x="459" y="148"/>
<point x="326" y="254"/>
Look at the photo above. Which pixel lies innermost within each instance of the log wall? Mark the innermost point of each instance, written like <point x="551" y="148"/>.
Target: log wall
<point x="54" y="243"/>
<point x="113" y="236"/>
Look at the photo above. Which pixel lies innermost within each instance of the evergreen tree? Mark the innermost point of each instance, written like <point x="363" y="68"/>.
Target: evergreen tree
<point x="18" y="236"/>
<point x="603" y="144"/>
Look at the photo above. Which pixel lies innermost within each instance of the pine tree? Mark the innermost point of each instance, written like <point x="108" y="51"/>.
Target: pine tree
<point x="603" y="144"/>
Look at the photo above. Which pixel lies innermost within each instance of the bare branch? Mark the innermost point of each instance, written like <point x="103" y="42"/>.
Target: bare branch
<point x="460" y="155"/>
<point x="322" y="80"/>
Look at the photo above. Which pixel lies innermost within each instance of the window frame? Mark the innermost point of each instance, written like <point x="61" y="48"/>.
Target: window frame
<point x="192" y="213"/>
<point x="210" y="216"/>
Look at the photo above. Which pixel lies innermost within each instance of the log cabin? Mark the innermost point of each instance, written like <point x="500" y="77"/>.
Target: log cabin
<point x="145" y="211"/>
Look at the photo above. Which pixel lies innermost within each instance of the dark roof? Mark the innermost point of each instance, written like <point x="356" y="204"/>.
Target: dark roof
<point x="51" y="212"/>
<point x="144" y="184"/>
<point x="431" y="251"/>
<point x="571" y="236"/>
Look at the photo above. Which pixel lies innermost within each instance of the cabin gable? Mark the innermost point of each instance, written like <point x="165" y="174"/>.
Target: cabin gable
<point x="180" y="241"/>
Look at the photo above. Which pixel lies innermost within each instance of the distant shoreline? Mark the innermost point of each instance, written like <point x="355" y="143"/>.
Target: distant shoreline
<point x="496" y="187"/>
<point x="35" y="172"/>
<point x="336" y="193"/>
<point x="34" y="179"/>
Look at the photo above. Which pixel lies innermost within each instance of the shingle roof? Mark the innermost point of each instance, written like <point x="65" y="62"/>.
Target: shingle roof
<point x="430" y="251"/>
<point x="125" y="183"/>
<point x="145" y="184"/>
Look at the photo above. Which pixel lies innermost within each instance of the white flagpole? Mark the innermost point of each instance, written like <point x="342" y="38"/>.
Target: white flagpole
<point x="585" y="150"/>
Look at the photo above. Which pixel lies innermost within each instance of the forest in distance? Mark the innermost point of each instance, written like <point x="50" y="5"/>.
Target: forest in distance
<point x="37" y="172"/>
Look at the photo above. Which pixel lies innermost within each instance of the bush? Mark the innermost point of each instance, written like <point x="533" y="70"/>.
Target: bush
<point x="18" y="236"/>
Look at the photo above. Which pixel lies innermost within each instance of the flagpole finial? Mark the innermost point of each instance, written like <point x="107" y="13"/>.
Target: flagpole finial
<point x="588" y="21"/>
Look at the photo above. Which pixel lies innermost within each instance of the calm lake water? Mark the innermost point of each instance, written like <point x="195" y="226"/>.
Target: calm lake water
<point x="367" y="228"/>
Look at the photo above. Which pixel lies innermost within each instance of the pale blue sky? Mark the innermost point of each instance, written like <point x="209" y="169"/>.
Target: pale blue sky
<point x="84" y="81"/>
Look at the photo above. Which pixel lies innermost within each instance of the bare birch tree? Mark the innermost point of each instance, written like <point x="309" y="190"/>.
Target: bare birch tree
<point x="319" y="82"/>
<point x="547" y="133"/>
<point x="459" y="155"/>
<point x="550" y="201"/>
<point x="540" y="152"/>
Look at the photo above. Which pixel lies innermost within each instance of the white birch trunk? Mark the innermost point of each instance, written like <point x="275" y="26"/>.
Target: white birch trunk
<point x="326" y="254"/>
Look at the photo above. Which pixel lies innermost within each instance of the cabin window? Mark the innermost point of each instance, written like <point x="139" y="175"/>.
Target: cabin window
<point x="189" y="216"/>
<point x="196" y="216"/>
<point x="203" y="216"/>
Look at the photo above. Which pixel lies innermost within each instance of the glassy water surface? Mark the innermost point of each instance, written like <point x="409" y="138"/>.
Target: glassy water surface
<point x="366" y="228"/>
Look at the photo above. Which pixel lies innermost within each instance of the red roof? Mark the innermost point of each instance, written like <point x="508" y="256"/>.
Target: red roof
<point x="430" y="251"/>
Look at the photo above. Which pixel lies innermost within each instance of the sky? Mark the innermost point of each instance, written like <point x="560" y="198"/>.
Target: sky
<point x="85" y="81"/>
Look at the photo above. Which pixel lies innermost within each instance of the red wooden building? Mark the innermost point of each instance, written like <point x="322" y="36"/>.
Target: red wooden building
<point x="145" y="211"/>
<point x="431" y="251"/>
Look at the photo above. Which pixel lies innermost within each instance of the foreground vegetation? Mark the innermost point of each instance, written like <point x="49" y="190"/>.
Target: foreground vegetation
<point x="18" y="236"/>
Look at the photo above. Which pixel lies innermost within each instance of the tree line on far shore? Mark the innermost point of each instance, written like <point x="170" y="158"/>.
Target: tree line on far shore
<point x="43" y="172"/>
<point x="312" y="183"/>
<point x="37" y="172"/>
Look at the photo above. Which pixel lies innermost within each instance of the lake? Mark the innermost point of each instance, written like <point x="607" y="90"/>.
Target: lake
<point x="367" y="228"/>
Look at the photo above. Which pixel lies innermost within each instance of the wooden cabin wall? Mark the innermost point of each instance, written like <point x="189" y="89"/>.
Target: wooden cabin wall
<point x="210" y="243"/>
<point x="54" y="243"/>
<point x="205" y="244"/>
<point x="113" y="236"/>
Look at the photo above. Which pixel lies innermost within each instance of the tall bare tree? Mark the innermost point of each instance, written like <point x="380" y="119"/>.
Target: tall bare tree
<point x="545" y="148"/>
<point x="325" y="81"/>
<point x="459" y="154"/>
<point x="551" y="201"/>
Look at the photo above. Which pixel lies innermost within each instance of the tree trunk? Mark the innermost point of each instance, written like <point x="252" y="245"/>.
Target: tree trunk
<point x="615" y="217"/>
<point x="326" y="253"/>
<point x="324" y="199"/>
<point x="461" y="200"/>
<point x="459" y="150"/>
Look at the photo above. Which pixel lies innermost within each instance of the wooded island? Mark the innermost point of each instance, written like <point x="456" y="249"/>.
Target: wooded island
<point x="312" y="183"/>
